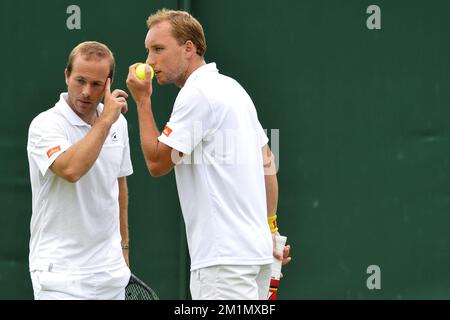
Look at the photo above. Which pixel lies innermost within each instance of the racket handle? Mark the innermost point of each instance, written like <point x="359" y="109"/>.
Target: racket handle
<point x="280" y="242"/>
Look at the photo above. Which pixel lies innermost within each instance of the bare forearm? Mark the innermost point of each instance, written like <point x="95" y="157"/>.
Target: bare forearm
<point x="123" y="213"/>
<point x="149" y="132"/>
<point x="158" y="156"/>
<point x="76" y="161"/>
<point x="271" y="182"/>
<point x="123" y="218"/>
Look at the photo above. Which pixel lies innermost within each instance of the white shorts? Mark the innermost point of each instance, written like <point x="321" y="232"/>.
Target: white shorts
<point x="231" y="282"/>
<point x="106" y="285"/>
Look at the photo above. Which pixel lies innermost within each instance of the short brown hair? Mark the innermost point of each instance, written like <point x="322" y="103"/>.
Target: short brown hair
<point x="184" y="27"/>
<point x="89" y="50"/>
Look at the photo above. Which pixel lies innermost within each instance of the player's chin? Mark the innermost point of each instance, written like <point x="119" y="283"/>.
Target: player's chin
<point x="161" y="80"/>
<point x="83" y="107"/>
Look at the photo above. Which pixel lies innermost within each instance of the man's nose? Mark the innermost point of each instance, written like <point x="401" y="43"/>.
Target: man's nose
<point x="86" y="92"/>
<point x="150" y="60"/>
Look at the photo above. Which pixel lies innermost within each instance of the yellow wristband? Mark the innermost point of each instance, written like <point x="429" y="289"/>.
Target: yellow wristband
<point x="125" y="246"/>
<point x="272" y="220"/>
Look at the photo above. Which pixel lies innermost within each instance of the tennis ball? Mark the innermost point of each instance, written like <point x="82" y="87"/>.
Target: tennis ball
<point x="140" y="71"/>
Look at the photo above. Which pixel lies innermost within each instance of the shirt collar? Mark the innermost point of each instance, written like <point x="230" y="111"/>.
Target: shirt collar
<point x="210" y="67"/>
<point x="69" y="114"/>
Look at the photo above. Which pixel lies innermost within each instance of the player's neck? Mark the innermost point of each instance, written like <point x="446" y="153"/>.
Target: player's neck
<point x="94" y="117"/>
<point x="91" y="118"/>
<point x="194" y="65"/>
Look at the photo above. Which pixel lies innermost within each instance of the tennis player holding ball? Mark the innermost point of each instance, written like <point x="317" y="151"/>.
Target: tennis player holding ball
<point x="228" y="191"/>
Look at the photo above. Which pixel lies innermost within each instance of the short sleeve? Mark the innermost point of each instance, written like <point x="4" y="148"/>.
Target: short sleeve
<point x="192" y="117"/>
<point x="126" y="167"/>
<point x="46" y="142"/>
<point x="262" y="136"/>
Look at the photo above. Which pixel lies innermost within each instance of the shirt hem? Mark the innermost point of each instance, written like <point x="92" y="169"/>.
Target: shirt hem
<point x="232" y="261"/>
<point x="53" y="267"/>
<point x="175" y="145"/>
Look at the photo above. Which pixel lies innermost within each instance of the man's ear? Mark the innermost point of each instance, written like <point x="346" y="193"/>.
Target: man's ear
<point x="66" y="75"/>
<point x="190" y="48"/>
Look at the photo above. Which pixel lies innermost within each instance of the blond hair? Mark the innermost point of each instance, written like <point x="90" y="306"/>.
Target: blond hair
<point x="90" y="50"/>
<point x="184" y="27"/>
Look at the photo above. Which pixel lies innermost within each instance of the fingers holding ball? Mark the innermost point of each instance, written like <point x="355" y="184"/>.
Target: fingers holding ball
<point x="141" y="71"/>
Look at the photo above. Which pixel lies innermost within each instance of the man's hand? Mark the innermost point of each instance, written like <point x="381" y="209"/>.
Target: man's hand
<point x="114" y="102"/>
<point x="285" y="258"/>
<point x="140" y="89"/>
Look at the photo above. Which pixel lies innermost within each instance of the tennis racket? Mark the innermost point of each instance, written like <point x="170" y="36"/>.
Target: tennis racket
<point x="136" y="289"/>
<point x="280" y="242"/>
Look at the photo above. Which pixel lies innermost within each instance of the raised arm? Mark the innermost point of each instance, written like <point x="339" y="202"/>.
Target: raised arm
<point x="76" y="161"/>
<point x="160" y="158"/>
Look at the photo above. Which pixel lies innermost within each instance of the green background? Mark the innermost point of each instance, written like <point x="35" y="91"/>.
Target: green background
<point x="363" y="119"/>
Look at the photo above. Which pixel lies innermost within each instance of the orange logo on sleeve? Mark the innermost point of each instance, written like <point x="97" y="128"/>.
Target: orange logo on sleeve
<point x="52" y="151"/>
<point x="167" y="131"/>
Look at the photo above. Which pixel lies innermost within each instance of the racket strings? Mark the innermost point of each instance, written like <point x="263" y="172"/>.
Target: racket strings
<point x="138" y="291"/>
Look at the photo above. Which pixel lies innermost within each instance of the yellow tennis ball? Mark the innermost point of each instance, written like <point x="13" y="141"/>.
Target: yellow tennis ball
<point x="140" y="71"/>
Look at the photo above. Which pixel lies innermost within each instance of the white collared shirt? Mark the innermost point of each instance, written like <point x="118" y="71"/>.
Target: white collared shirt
<point x="75" y="225"/>
<point x="221" y="181"/>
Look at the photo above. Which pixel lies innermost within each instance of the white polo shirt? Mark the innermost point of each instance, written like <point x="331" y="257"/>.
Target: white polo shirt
<point x="75" y="226"/>
<point x="221" y="180"/>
